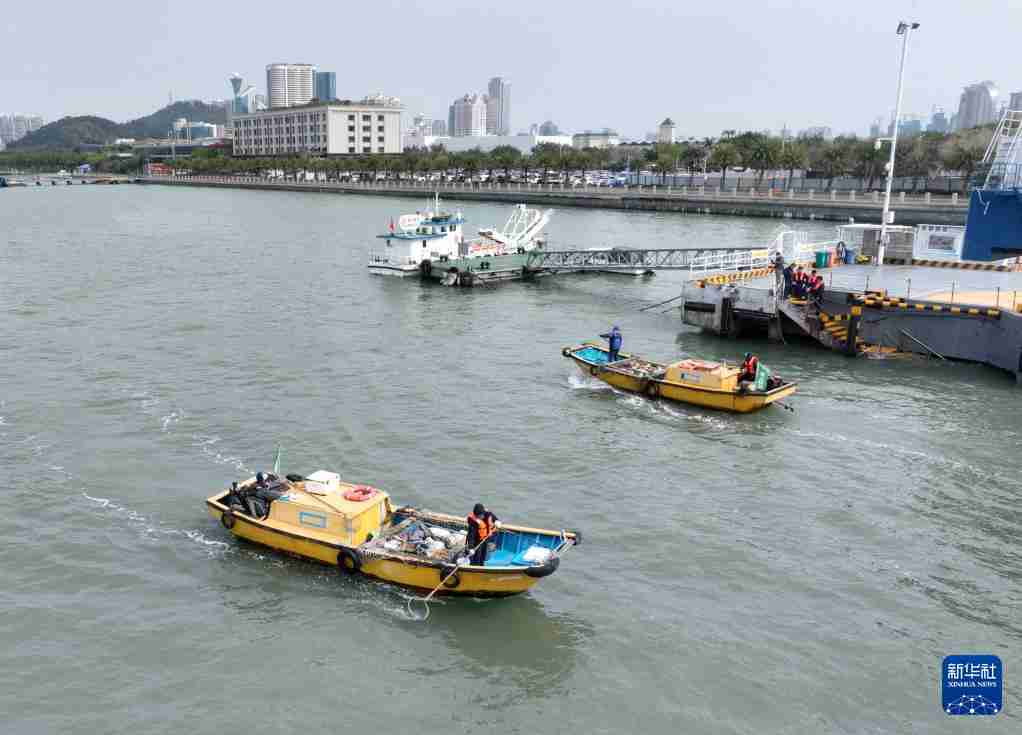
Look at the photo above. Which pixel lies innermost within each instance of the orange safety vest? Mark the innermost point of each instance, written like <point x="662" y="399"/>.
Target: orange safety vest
<point x="484" y="525"/>
<point x="750" y="365"/>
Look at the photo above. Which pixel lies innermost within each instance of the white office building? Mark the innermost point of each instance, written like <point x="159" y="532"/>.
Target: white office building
<point x="359" y="128"/>
<point x="289" y="85"/>
<point x="605" y="138"/>
<point x="525" y="143"/>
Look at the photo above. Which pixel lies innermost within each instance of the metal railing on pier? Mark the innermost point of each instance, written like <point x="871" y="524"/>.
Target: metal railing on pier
<point x="696" y="193"/>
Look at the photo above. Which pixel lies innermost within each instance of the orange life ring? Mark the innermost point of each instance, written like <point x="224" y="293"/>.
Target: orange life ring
<point x="360" y="493"/>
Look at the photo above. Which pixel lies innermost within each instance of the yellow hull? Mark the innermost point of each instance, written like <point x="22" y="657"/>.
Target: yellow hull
<point x="717" y="399"/>
<point x="473" y="581"/>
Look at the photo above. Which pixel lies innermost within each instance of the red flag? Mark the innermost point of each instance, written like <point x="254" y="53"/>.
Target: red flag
<point x="391" y="224"/>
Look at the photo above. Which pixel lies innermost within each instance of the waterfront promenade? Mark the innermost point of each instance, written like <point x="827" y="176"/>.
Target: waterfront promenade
<point x="748" y="202"/>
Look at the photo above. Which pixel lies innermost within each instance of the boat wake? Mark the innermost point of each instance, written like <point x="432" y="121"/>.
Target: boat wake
<point x="660" y="410"/>
<point x="577" y="381"/>
<point x="153" y="530"/>
<point x="207" y="444"/>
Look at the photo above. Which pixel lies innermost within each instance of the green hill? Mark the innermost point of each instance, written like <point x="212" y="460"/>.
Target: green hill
<point x="158" y="124"/>
<point x="71" y="132"/>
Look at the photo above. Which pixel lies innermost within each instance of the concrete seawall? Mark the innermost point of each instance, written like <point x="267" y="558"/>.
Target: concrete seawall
<point x="918" y="210"/>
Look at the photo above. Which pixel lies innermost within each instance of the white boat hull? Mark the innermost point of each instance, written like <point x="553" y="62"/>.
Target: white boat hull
<point x="386" y="269"/>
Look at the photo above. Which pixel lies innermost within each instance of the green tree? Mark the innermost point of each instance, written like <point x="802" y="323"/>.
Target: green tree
<point x="762" y="155"/>
<point x="792" y="156"/>
<point x="506" y="157"/>
<point x="964" y="158"/>
<point x="723" y="157"/>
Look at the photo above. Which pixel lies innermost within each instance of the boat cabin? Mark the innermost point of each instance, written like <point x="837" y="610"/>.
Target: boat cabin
<point x="322" y="505"/>
<point x="428" y="236"/>
<point x="703" y="373"/>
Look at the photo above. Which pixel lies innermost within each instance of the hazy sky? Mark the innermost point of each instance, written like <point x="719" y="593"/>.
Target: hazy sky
<point x="710" y="66"/>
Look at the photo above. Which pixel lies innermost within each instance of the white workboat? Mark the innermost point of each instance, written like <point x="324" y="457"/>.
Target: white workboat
<point x="433" y="241"/>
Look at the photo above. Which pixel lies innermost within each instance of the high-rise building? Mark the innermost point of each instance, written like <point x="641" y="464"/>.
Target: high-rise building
<point x="665" y="133"/>
<point x="977" y="105"/>
<point x="819" y="131"/>
<point x="290" y="84"/>
<point x="1015" y="101"/>
<point x="938" y="121"/>
<point x="243" y="101"/>
<point x="467" y="116"/>
<point x="498" y="117"/>
<point x="326" y="86"/>
<point x="439" y="127"/>
<point x="549" y="128"/>
<point x="260" y="101"/>
<point x="876" y="128"/>
<point x="16" y="126"/>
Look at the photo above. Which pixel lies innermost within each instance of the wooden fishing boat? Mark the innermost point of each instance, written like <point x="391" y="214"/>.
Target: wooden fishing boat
<point x="355" y="527"/>
<point x="699" y="382"/>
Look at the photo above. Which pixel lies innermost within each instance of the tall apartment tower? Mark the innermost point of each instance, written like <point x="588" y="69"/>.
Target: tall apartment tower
<point x="498" y="118"/>
<point x="468" y="116"/>
<point x="977" y="105"/>
<point x="1015" y="102"/>
<point x="665" y="133"/>
<point x="290" y="84"/>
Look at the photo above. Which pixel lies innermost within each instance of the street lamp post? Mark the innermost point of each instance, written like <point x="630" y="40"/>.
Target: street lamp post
<point x="904" y="29"/>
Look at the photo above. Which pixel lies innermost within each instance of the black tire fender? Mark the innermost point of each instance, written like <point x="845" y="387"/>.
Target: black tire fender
<point x="594" y="371"/>
<point x="227" y="519"/>
<point x="566" y="352"/>
<point x="349" y="560"/>
<point x="544" y="570"/>
<point x="653" y="390"/>
<point x="578" y="538"/>
<point x="451" y="576"/>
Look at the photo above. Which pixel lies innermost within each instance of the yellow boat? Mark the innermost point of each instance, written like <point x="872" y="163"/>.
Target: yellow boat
<point x="355" y="527"/>
<point x="699" y="382"/>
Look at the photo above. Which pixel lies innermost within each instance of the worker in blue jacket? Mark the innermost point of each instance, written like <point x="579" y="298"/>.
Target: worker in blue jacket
<point x="614" y="340"/>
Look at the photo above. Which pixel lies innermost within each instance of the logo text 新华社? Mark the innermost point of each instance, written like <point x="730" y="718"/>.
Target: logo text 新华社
<point x="972" y="685"/>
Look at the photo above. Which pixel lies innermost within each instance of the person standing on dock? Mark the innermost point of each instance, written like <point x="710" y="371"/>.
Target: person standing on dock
<point x="799" y="283"/>
<point x="778" y="263"/>
<point x="789" y="273"/>
<point x="481" y="525"/>
<point x="816" y="287"/>
<point x="614" y="341"/>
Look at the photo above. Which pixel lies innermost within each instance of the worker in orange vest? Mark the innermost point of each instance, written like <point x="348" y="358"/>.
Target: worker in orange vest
<point x="749" y="367"/>
<point x="482" y="524"/>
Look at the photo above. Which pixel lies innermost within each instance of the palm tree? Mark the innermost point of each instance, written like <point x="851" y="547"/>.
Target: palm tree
<point x="964" y="159"/>
<point x="506" y="157"/>
<point x="527" y="162"/>
<point x="792" y="156"/>
<point x="834" y="162"/>
<point x="763" y="155"/>
<point x="470" y="161"/>
<point x="724" y="156"/>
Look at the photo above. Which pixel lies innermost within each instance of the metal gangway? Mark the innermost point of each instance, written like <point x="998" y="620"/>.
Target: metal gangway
<point x="698" y="261"/>
<point x="1003" y="157"/>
